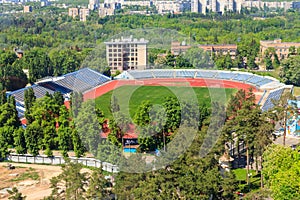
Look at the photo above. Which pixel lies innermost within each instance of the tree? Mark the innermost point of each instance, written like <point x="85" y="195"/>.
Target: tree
<point x="79" y="149"/>
<point x="141" y="117"/>
<point x="64" y="132"/>
<point x="269" y="64"/>
<point x="58" y="98"/>
<point x="15" y="194"/>
<point x="29" y="99"/>
<point x="76" y="101"/>
<point x="107" y="72"/>
<point x="20" y="141"/>
<point x="118" y="127"/>
<point x="33" y="137"/>
<point x="228" y="62"/>
<point x="173" y="113"/>
<point x="146" y="138"/>
<point x="98" y="186"/>
<point x="87" y="126"/>
<point x="71" y="181"/>
<point x="170" y="60"/>
<point x="198" y="58"/>
<point x="12" y="75"/>
<point x="292" y="51"/>
<point x="229" y="185"/>
<point x="64" y="61"/>
<point x="251" y="63"/>
<point x="115" y="107"/>
<point x="271" y="59"/>
<point x="9" y="121"/>
<point x="243" y="121"/>
<point x="3" y="146"/>
<point x="290" y="73"/>
<point x="188" y="177"/>
<point x="38" y="63"/>
<point x="7" y="58"/>
<point x="3" y="98"/>
<point x="182" y="62"/>
<point x="45" y="112"/>
<point x="281" y="165"/>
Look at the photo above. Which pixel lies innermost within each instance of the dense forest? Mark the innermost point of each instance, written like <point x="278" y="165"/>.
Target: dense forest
<point x="58" y="44"/>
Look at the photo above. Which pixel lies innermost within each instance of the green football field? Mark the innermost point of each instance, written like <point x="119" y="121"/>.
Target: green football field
<point x="130" y="97"/>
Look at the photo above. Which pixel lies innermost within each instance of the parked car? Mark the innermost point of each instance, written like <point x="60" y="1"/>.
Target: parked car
<point x="278" y="132"/>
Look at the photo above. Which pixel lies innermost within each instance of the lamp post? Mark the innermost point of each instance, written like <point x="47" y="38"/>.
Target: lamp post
<point x="285" y="120"/>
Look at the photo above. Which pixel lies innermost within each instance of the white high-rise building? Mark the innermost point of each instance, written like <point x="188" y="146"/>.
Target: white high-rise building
<point x="126" y="54"/>
<point x="221" y="6"/>
<point x="195" y="6"/>
<point x="93" y="4"/>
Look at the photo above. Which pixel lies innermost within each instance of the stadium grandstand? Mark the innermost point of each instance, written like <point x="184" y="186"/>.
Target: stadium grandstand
<point x="271" y="88"/>
<point x="93" y="84"/>
<point x="82" y="81"/>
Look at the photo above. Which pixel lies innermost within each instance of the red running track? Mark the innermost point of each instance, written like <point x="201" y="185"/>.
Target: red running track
<point x="188" y="82"/>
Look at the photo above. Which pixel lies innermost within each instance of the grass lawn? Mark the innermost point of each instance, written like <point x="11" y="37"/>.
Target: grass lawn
<point x="296" y="91"/>
<point x="130" y="97"/>
<point x="240" y="175"/>
<point x="274" y="73"/>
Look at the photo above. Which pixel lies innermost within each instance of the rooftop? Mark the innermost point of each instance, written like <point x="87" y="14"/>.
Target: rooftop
<point x="127" y="40"/>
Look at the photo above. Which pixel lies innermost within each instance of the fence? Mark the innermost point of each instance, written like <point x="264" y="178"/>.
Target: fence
<point x="57" y="160"/>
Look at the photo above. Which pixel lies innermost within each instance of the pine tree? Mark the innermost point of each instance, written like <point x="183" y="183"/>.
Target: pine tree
<point x="76" y="101"/>
<point x="77" y="144"/>
<point x="58" y="98"/>
<point x="15" y="194"/>
<point x="33" y="137"/>
<point x="98" y="186"/>
<point x="64" y="132"/>
<point x="71" y="181"/>
<point x="115" y="105"/>
<point x="20" y="142"/>
<point x="29" y="99"/>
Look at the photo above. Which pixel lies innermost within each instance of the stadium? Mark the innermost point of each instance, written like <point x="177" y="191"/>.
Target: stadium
<point x="94" y="84"/>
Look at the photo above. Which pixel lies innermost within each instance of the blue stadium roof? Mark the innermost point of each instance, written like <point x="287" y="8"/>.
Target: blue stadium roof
<point x="80" y="81"/>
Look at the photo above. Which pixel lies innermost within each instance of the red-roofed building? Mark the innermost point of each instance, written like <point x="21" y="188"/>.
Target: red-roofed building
<point x="130" y="139"/>
<point x="23" y="121"/>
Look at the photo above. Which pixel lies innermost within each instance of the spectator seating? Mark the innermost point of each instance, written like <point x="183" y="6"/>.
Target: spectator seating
<point x="80" y="81"/>
<point x="255" y="79"/>
<point x="163" y="73"/>
<point x="225" y="75"/>
<point x="206" y="74"/>
<point x="185" y="73"/>
<point x="265" y="81"/>
<point x="55" y="87"/>
<point x="39" y="92"/>
<point x="274" y="95"/>
<point x="242" y="77"/>
<point x="139" y="74"/>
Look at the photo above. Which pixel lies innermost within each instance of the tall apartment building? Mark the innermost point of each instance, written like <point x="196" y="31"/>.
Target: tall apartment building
<point x="204" y="6"/>
<point x="126" y="53"/>
<point x="27" y="9"/>
<point x="73" y="12"/>
<point x="93" y="4"/>
<point x="281" y="48"/>
<point x="107" y="9"/>
<point x="82" y="12"/>
<point x="195" y="6"/>
<point x="172" y="6"/>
